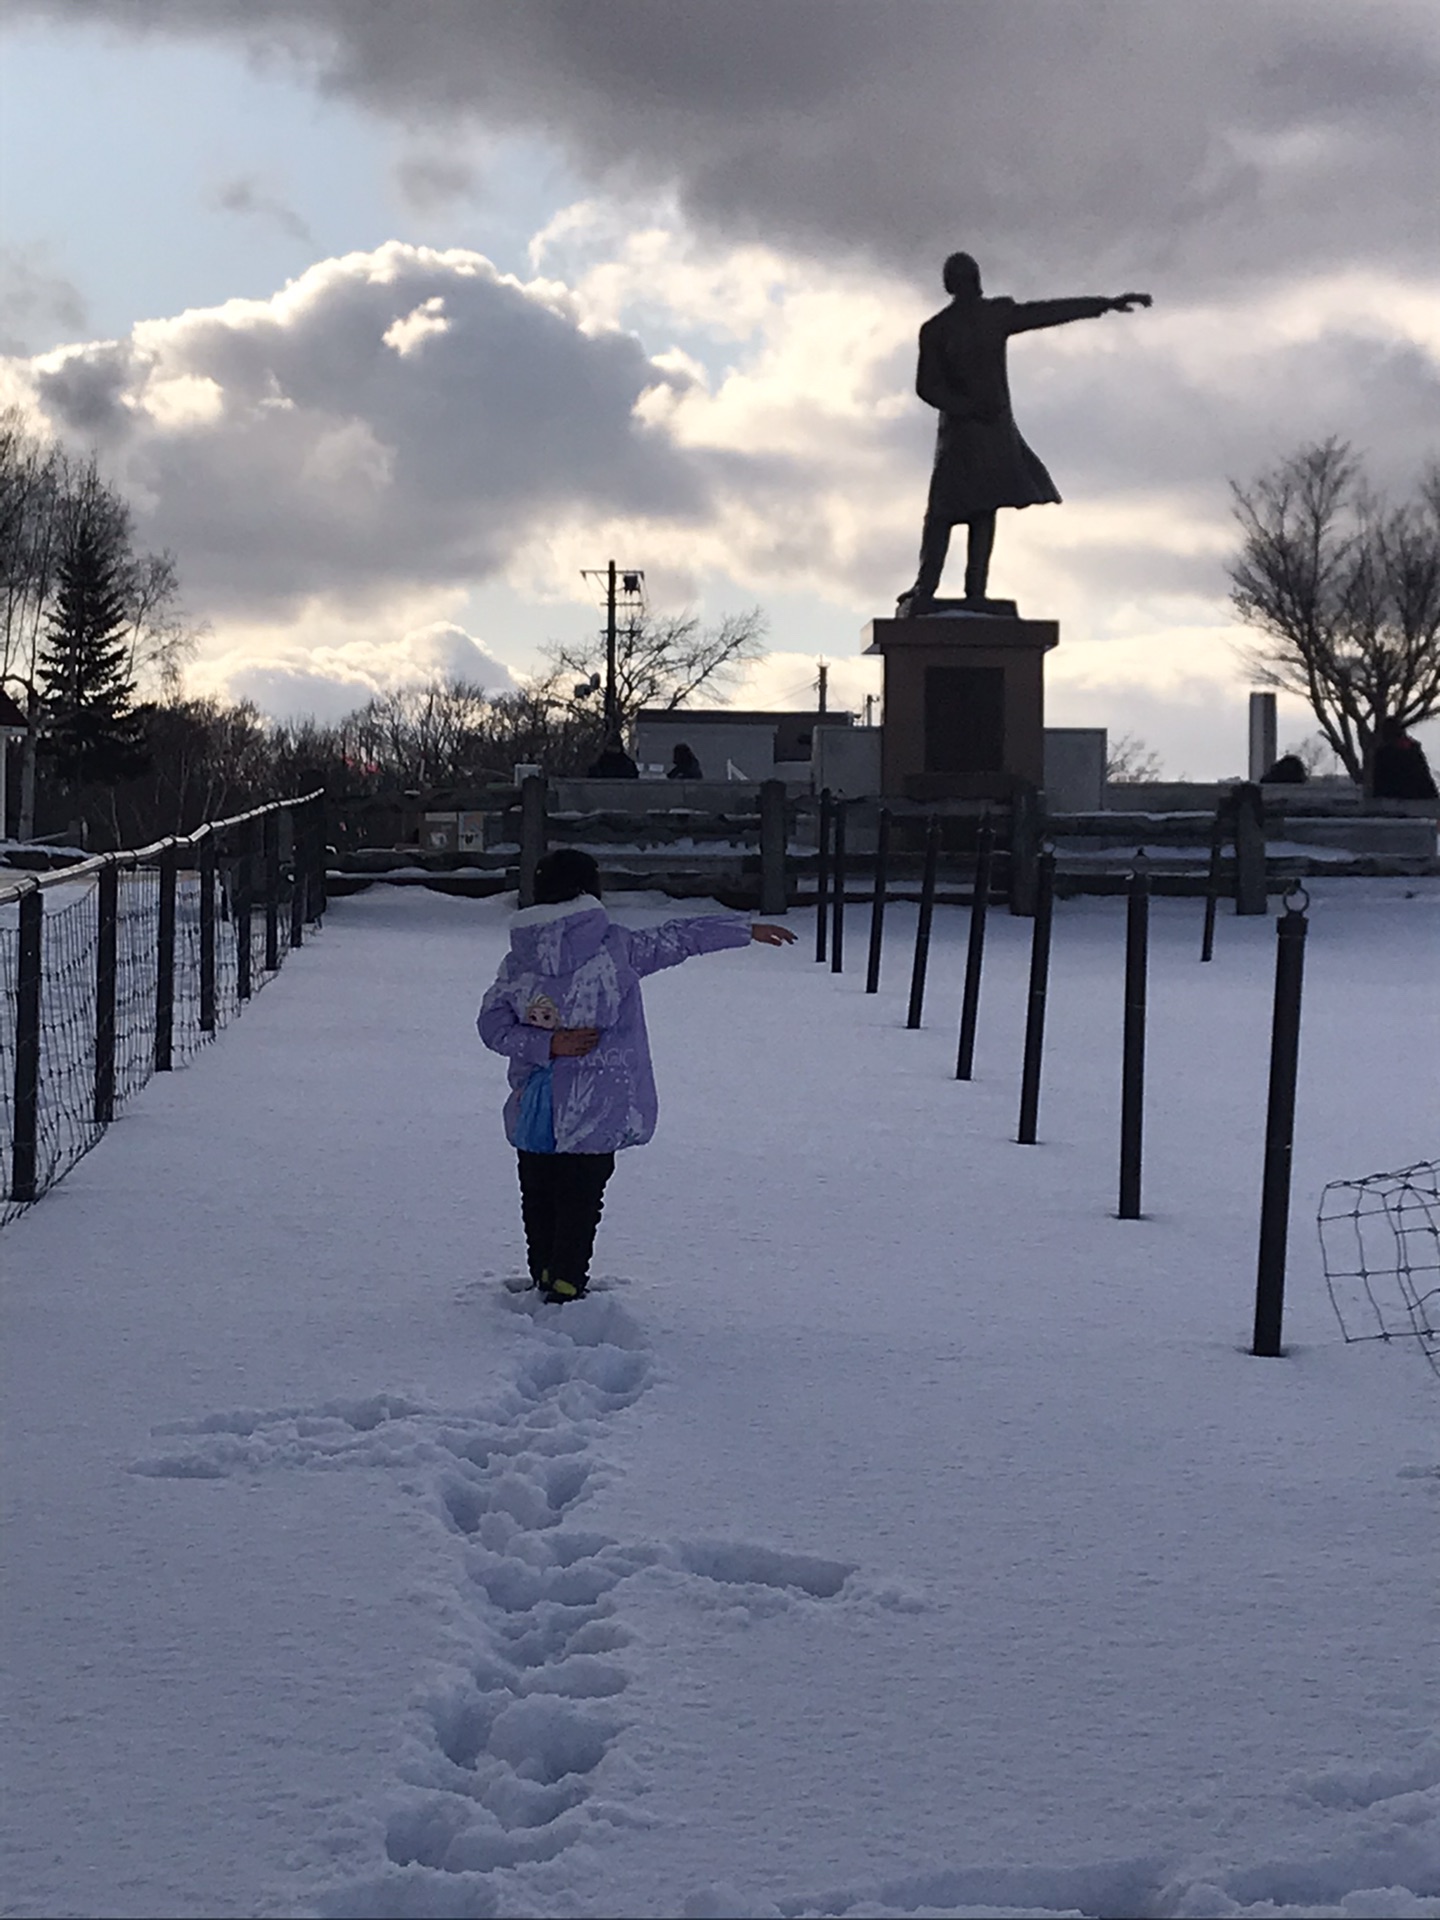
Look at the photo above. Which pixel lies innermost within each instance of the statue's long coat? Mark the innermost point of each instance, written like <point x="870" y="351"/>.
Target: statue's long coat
<point x="981" y="461"/>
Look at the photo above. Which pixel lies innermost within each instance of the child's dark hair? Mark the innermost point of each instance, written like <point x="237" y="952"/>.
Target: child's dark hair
<point x="565" y="874"/>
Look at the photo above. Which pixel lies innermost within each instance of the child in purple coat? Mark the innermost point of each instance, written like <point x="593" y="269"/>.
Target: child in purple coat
<point x="566" y="1010"/>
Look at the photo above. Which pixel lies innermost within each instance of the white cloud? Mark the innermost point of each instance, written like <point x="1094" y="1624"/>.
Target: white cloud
<point x="333" y="660"/>
<point x="402" y="417"/>
<point x="427" y="320"/>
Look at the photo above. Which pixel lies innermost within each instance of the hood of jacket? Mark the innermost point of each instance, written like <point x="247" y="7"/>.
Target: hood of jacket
<point x="559" y="937"/>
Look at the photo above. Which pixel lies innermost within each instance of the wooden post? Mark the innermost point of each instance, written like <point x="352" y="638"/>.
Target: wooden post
<point x="1039" y="989"/>
<point x="1025" y="837"/>
<point x="922" y="923"/>
<point x="295" y="818"/>
<point x="1250" y="897"/>
<point x="271" y="843"/>
<point x="532" y="834"/>
<point x="207" y="933"/>
<point x="320" y="856"/>
<point x="1132" y="1067"/>
<point x="24" y="1151"/>
<point x="774" y="884"/>
<point x="244" y="906"/>
<point x="106" y="952"/>
<point x="877" y="901"/>
<point x="975" y="955"/>
<point x="1290" y="931"/>
<point x="165" y="961"/>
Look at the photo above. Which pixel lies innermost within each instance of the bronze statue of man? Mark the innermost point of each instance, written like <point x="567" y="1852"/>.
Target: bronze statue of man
<point x="981" y="462"/>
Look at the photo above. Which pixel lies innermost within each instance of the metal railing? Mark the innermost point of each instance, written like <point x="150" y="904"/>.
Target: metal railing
<point x="125" y="965"/>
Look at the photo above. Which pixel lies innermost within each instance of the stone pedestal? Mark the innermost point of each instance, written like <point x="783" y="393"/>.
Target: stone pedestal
<point x="964" y="705"/>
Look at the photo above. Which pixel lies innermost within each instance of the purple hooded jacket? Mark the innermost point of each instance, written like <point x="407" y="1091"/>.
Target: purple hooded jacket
<point x="569" y="965"/>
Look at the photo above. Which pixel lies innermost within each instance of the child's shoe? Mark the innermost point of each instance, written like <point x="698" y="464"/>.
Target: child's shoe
<point x="555" y="1293"/>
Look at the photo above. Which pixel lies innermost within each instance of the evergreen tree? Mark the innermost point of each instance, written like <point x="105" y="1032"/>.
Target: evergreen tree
<point x="93" y="733"/>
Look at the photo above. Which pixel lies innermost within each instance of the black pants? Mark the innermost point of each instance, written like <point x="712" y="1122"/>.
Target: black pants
<point x="561" y="1196"/>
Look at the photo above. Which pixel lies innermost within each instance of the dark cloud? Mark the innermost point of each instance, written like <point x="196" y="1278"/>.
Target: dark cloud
<point x="36" y="302"/>
<point x="85" y="392"/>
<point x="246" y="196"/>
<point x="430" y="180"/>
<point x="1205" y="146"/>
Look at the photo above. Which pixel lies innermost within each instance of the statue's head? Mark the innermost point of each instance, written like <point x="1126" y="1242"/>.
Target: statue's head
<point x="962" y="276"/>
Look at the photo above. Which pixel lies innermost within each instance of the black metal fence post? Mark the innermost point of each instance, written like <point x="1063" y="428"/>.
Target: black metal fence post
<point x="244" y="904"/>
<point x="107" y="898"/>
<point x="1290" y="931"/>
<point x="1132" y="1067"/>
<point x="24" y="1150"/>
<point x="837" y="893"/>
<point x="165" y="960"/>
<point x="271" y="844"/>
<point x="975" y="952"/>
<point x="822" y="875"/>
<point x="1039" y="988"/>
<point x="1212" y="881"/>
<point x="207" y="933"/>
<point x="922" y="924"/>
<point x="877" y="902"/>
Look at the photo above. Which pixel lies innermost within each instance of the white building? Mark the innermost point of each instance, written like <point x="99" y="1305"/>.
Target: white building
<point x="732" y="743"/>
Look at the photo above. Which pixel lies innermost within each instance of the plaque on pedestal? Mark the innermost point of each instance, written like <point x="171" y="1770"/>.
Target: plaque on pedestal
<point x="964" y="705"/>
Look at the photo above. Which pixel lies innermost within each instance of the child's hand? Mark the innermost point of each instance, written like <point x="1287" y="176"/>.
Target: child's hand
<point x="771" y="936"/>
<point x="569" y="1043"/>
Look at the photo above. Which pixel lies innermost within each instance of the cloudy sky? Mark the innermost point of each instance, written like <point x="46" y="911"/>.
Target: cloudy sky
<point x="391" y="316"/>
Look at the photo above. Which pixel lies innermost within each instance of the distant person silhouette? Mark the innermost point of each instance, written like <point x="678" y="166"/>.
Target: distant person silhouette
<point x="1288" y="771"/>
<point x="684" y="765"/>
<point x="1399" y="769"/>
<point x="614" y="763"/>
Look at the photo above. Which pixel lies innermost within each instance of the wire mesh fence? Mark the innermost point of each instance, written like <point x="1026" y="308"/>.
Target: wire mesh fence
<point x="1380" y="1243"/>
<point x="128" y="964"/>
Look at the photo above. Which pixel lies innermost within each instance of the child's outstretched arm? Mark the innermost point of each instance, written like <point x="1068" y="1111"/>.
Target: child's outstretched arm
<point x="652" y="948"/>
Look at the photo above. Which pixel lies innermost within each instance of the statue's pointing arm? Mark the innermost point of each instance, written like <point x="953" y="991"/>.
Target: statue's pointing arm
<point x="1026" y="315"/>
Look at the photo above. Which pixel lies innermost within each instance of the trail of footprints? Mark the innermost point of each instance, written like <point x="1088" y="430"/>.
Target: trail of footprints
<point x="520" y="1755"/>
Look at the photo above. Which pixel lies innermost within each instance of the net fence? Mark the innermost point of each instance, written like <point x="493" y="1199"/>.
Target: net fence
<point x="52" y="1107"/>
<point x="1380" y="1243"/>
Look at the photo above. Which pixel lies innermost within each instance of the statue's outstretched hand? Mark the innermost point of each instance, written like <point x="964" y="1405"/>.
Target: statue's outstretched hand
<point x="1128" y="300"/>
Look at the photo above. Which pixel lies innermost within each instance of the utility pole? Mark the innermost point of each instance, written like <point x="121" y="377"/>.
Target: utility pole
<point x="823" y="682"/>
<point x="618" y="583"/>
<point x="610" y="652"/>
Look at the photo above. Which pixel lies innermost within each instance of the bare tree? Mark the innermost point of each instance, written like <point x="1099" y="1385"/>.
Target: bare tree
<point x="1346" y="590"/>
<point x="424" y="736"/>
<point x="1129" y="761"/>
<point x="664" y="662"/>
<point x="158" y="638"/>
<point x="34" y="478"/>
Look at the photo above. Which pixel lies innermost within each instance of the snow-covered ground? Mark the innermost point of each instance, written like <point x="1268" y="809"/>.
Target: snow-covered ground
<point x="895" y="1531"/>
